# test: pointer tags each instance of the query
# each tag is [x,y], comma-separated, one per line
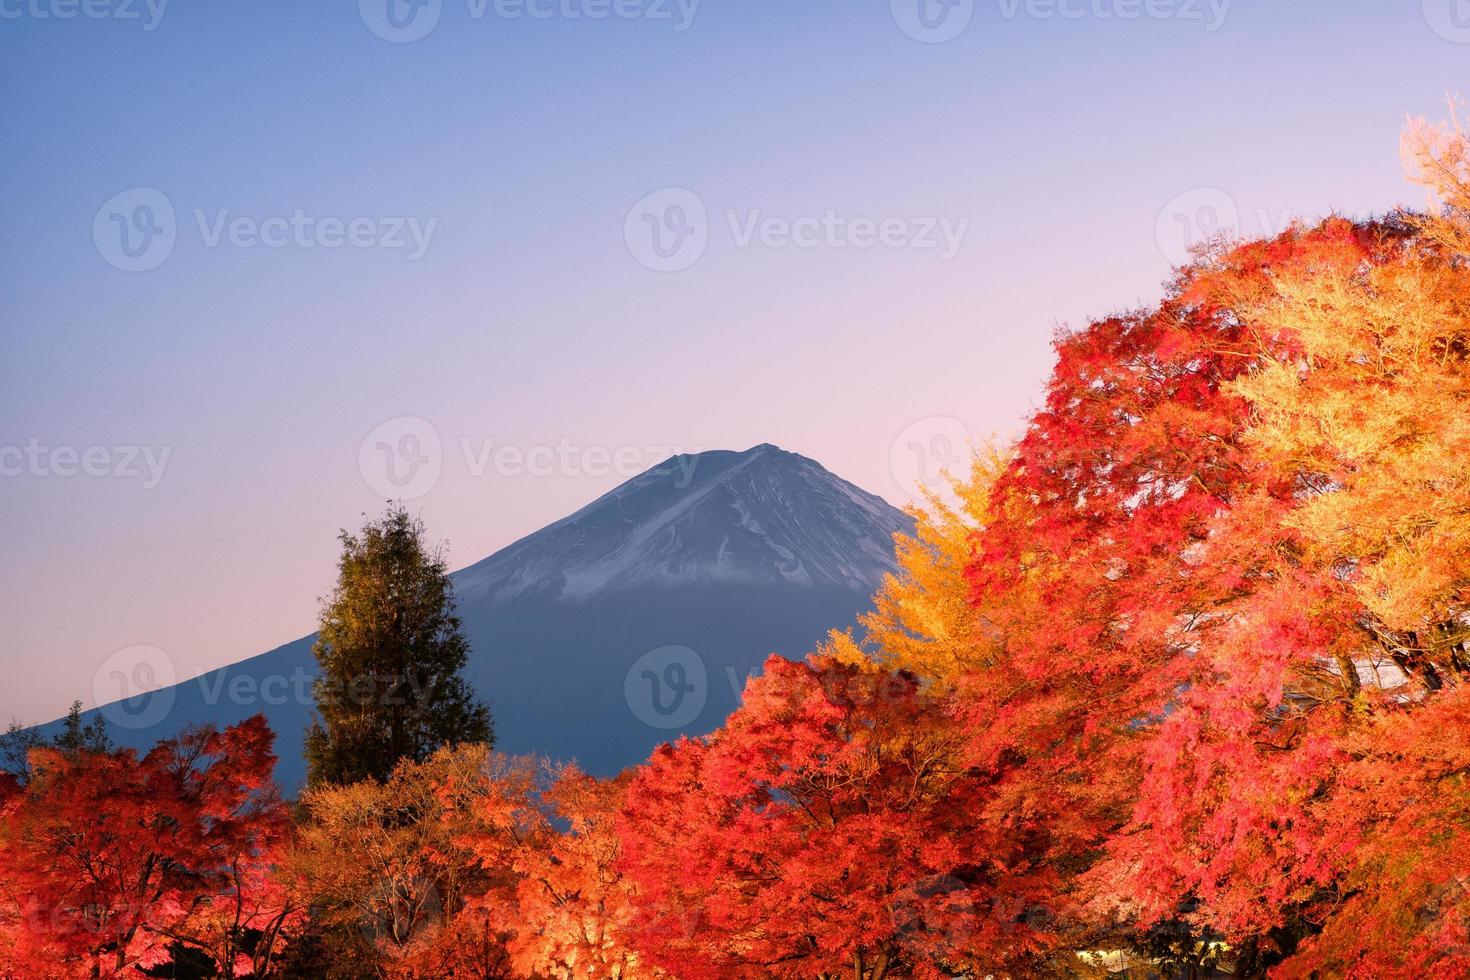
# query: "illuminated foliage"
[922,619]
[1181,680]
[825,830]
[388,870]
[110,862]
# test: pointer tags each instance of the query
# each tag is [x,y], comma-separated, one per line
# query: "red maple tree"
[826,830]
[110,861]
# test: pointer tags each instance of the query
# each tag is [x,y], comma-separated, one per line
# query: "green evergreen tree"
[15,749]
[18,740]
[75,737]
[390,651]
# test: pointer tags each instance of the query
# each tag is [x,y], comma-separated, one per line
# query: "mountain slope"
[630,622]
[757,517]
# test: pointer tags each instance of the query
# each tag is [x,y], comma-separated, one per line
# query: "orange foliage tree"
[1227,573]
[566,907]
[471,864]
[1184,677]
[388,871]
[1108,569]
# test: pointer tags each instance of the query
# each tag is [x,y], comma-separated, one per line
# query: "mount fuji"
[626,624]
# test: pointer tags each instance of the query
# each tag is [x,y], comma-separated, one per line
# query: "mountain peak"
[724,556]
[712,518]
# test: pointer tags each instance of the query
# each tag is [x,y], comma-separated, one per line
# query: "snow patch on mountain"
[717,517]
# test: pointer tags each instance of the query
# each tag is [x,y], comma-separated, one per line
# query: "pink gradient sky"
[528,321]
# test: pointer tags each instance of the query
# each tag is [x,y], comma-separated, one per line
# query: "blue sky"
[1060,138]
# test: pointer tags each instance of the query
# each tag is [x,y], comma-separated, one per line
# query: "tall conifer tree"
[390,650]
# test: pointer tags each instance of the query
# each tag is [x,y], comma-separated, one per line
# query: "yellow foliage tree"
[1371,417]
[470,864]
[572,908]
[387,865]
[923,620]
